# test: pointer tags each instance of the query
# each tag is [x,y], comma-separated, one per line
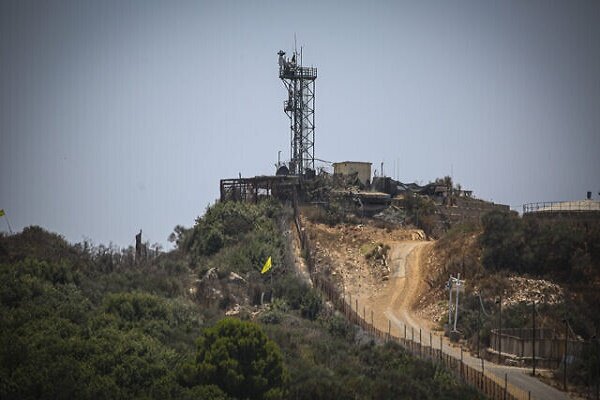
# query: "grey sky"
[121,115]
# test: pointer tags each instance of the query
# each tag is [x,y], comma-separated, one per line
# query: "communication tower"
[299,82]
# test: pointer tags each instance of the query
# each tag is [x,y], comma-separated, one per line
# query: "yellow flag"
[2,213]
[267,266]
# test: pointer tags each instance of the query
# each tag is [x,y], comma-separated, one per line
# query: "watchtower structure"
[299,82]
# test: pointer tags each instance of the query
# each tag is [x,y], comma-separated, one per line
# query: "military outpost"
[351,184]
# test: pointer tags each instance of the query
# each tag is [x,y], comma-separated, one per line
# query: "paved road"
[406,272]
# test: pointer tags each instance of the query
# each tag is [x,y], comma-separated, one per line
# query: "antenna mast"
[299,82]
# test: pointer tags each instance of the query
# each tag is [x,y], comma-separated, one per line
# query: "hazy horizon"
[120,116]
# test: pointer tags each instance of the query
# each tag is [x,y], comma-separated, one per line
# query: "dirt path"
[389,300]
[400,294]
[395,309]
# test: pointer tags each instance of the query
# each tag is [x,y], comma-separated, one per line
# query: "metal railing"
[562,206]
[298,72]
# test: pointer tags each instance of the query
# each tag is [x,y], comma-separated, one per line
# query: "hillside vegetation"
[554,263]
[83,321]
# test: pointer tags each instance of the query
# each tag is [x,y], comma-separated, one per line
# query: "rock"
[233,277]
[233,311]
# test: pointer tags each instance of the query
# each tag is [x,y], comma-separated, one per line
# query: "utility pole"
[449,286]
[565,357]
[458,285]
[499,301]
[596,340]
[478,328]
[533,348]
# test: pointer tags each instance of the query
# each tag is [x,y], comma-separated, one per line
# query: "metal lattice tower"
[300,108]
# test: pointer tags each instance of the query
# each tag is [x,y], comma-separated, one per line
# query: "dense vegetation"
[70,328]
[79,321]
[559,251]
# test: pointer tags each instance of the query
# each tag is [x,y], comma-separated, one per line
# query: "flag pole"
[267,268]
[272,285]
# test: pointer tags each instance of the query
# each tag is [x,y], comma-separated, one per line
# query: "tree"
[502,241]
[241,360]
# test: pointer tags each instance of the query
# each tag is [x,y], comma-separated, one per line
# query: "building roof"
[352,162]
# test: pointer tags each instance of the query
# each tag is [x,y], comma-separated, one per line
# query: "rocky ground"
[357,255]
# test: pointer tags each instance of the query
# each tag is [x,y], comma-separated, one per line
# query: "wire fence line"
[487,384]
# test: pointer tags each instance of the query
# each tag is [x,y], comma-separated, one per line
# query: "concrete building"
[362,169]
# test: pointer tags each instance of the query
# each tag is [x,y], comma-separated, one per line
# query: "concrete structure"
[517,345]
[584,212]
[362,169]
[563,207]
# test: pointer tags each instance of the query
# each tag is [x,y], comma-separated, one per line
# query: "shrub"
[238,357]
[311,304]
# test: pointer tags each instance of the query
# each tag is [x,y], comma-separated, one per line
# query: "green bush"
[238,357]
[338,326]
[311,304]
[563,250]
[292,289]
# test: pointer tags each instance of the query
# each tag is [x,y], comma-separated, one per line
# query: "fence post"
[566,353]
[420,342]
[461,363]
[389,329]
[482,372]
[505,384]
[441,352]
[430,345]
[364,317]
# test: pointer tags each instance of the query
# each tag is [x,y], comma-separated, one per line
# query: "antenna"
[299,82]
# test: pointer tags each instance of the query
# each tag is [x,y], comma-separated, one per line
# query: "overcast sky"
[117,116]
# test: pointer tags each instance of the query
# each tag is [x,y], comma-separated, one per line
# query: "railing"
[298,72]
[489,385]
[562,206]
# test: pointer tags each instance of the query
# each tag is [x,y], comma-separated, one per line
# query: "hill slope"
[79,321]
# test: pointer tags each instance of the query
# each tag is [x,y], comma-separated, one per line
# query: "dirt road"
[389,300]
[396,305]
[401,291]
